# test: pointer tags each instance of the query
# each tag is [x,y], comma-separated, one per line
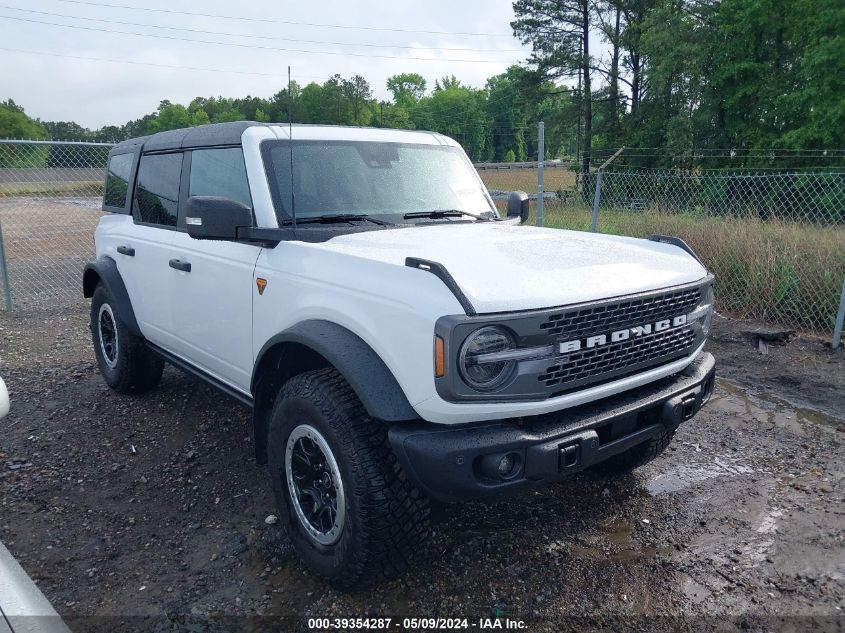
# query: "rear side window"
[219,172]
[157,189]
[117,180]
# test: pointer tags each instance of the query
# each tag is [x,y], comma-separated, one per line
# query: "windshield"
[355,178]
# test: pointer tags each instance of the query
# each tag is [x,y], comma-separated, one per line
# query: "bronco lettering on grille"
[622,335]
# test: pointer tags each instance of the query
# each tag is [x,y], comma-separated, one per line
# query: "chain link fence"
[50,200]
[775,240]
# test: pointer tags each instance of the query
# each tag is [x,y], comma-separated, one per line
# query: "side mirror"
[518,206]
[213,218]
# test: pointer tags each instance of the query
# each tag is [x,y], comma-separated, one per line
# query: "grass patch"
[554,178]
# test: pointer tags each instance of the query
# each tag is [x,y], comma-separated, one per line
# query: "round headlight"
[480,363]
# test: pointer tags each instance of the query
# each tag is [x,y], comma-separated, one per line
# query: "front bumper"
[453,463]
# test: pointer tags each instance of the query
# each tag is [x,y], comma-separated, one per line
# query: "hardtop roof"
[216,134]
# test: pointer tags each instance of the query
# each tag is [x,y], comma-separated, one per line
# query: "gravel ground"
[149,513]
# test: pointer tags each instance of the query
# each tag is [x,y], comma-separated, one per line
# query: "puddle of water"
[623,546]
[685,475]
[767,407]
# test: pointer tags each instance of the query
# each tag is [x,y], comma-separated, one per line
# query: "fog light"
[506,465]
[499,466]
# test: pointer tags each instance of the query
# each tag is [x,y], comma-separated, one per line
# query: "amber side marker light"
[261,283]
[439,358]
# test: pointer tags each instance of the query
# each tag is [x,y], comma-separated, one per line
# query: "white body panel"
[144,274]
[215,318]
[211,307]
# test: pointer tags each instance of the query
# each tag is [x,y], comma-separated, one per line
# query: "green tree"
[170,116]
[559,34]
[459,112]
[507,114]
[281,108]
[407,88]
[357,93]
[311,102]
[818,95]
[67,131]
[15,124]
[110,134]
[334,107]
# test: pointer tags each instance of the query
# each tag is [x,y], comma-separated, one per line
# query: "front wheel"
[353,515]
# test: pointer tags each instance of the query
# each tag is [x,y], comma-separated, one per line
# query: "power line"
[262,37]
[136,63]
[255,46]
[280,21]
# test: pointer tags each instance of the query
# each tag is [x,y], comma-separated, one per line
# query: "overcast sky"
[399,37]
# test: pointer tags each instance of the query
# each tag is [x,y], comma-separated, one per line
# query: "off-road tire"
[637,456]
[387,518]
[135,369]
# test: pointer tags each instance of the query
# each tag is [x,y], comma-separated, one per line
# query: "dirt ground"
[48,239]
[148,512]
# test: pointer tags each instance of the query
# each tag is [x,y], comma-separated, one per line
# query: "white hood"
[502,267]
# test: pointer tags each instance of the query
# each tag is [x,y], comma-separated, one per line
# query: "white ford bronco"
[395,338]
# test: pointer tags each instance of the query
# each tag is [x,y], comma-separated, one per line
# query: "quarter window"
[157,189]
[117,180]
[219,172]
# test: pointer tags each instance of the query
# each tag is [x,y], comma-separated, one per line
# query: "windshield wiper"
[444,213]
[333,218]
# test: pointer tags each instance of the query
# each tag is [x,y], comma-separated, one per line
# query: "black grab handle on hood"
[439,270]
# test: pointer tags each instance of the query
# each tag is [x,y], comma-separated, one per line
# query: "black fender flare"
[316,344]
[105,269]
[357,362]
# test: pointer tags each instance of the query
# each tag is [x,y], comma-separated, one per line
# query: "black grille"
[580,322]
[590,365]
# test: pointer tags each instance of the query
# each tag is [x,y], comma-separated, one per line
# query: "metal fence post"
[594,225]
[840,317]
[596,201]
[4,273]
[541,156]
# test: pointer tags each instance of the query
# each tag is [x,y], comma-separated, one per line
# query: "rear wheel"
[353,516]
[125,362]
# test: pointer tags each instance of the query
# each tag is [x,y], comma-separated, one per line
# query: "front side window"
[117,180]
[219,172]
[373,178]
[157,189]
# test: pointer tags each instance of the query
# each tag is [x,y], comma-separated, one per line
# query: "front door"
[212,282]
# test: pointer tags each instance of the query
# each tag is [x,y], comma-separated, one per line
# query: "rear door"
[211,302]
[142,255]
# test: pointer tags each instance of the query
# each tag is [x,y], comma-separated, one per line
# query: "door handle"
[126,250]
[178,264]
